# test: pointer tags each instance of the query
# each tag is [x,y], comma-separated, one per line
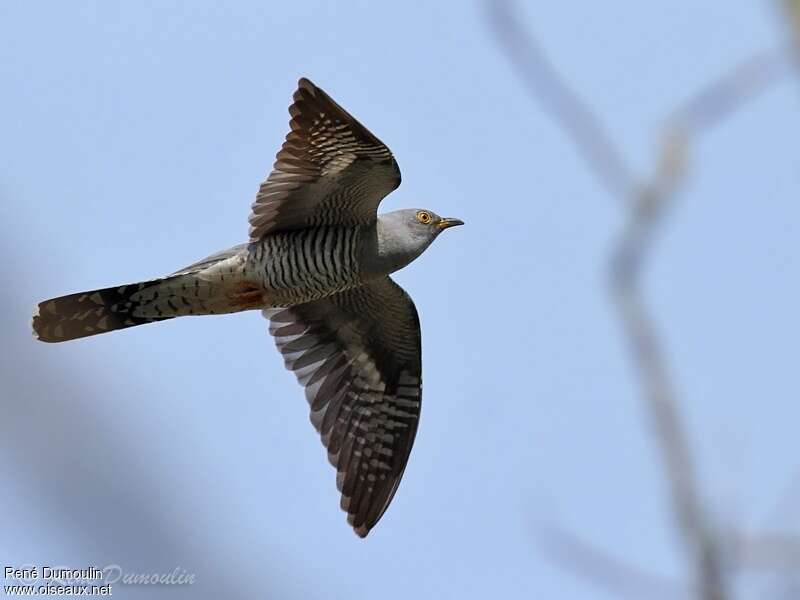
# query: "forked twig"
[646,207]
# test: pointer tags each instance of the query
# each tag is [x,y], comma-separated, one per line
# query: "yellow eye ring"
[424,217]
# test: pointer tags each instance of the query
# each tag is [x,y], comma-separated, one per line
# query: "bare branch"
[646,206]
[629,256]
[566,105]
[713,103]
[597,567]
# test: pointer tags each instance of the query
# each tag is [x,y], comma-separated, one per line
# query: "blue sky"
[134,138]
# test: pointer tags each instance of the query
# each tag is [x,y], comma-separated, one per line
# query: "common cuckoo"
[317,265]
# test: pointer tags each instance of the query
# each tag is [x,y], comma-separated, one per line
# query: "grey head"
[403,235]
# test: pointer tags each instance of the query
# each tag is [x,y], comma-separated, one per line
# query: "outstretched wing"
[358,354]
[330,170]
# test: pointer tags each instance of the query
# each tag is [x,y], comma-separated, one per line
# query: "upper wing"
[330,170]
[358,354]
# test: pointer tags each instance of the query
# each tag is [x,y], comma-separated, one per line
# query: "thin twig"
[718,100]
[599,568]
[567,107]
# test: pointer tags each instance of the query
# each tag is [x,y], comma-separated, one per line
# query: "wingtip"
[306,83]
[360,529]
[305,89]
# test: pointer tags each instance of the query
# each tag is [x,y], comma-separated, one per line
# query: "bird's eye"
[424,217]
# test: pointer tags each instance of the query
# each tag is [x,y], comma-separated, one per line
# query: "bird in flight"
[317,265]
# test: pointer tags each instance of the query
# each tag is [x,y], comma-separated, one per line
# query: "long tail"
[93,312]
[100,311]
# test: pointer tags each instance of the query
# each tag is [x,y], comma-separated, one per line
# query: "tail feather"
[215,285]
[91,313]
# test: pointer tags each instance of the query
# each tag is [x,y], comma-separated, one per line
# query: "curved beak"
[446,223]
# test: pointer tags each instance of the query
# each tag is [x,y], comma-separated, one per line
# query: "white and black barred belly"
[299,266]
